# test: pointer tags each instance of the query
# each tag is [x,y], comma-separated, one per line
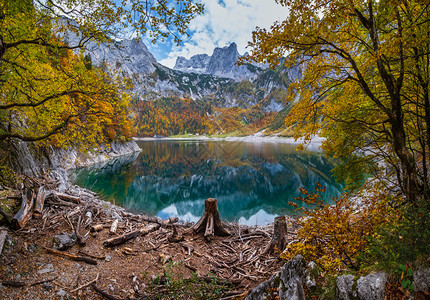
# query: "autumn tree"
[49,91]
[365,81]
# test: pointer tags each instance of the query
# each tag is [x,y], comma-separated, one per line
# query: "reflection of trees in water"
[242,178]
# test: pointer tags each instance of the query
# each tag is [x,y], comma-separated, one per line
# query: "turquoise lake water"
[253,182]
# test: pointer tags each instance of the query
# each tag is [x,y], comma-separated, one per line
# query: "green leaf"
[410,272]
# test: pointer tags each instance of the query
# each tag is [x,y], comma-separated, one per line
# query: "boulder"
[372,286]
[64,241]
[422,280]
[344,287]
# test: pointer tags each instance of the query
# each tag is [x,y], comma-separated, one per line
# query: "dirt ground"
[145,267]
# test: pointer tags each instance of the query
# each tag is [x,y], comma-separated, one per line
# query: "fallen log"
[24,213]
[67,197]
[128,236]
[210,223]
[40,200]
[279,239]
[72,256]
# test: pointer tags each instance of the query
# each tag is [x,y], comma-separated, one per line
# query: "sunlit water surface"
[253,182]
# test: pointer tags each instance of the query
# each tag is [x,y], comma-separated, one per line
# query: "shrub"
[334,235]
[404,240]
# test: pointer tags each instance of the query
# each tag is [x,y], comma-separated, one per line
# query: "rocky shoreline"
[33,268]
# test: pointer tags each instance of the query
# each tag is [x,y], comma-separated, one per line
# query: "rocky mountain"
[222,63]
[196,64]
[216,78]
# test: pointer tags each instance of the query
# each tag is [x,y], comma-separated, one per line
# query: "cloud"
[224,22]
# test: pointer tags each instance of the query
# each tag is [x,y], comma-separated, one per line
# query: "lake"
[253,182]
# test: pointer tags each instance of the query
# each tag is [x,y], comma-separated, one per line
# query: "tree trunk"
[279,239]
[210,223]
[24,213]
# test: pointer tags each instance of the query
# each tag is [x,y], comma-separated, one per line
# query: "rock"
[47,286]
[422,280]
[49,268]
[32,248]
[372,286]
[292,275]
[344,285]
[61,293]
[108,258]
[289,282]
[64,241]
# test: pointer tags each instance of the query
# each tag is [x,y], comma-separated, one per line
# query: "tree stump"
[25,212]
[279,239]
[210,223]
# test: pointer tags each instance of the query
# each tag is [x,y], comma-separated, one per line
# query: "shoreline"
[313,145]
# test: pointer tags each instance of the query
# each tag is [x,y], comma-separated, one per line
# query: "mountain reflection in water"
[253,182]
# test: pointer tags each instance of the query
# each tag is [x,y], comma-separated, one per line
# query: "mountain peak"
[233,46]
[221,63]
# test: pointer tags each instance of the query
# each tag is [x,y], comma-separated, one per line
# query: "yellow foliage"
[334,235]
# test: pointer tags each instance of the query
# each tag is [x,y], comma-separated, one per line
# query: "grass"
[170,284]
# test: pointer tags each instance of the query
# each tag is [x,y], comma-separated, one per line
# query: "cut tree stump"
[210,223]
[279,239]
[25,212]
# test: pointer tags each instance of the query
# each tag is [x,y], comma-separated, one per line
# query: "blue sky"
[224,22]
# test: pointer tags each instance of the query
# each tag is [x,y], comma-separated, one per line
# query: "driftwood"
[17,283]
[14,283]
[279,239]
[171,220]
[128,236]
[92,255]
[104,294]
[210,223]
[40,200]
[114,227]
[67,197]
[73,257]
[24,213]
[3,235]
[82,240]
[97,227]
[87,284]
[175,237]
